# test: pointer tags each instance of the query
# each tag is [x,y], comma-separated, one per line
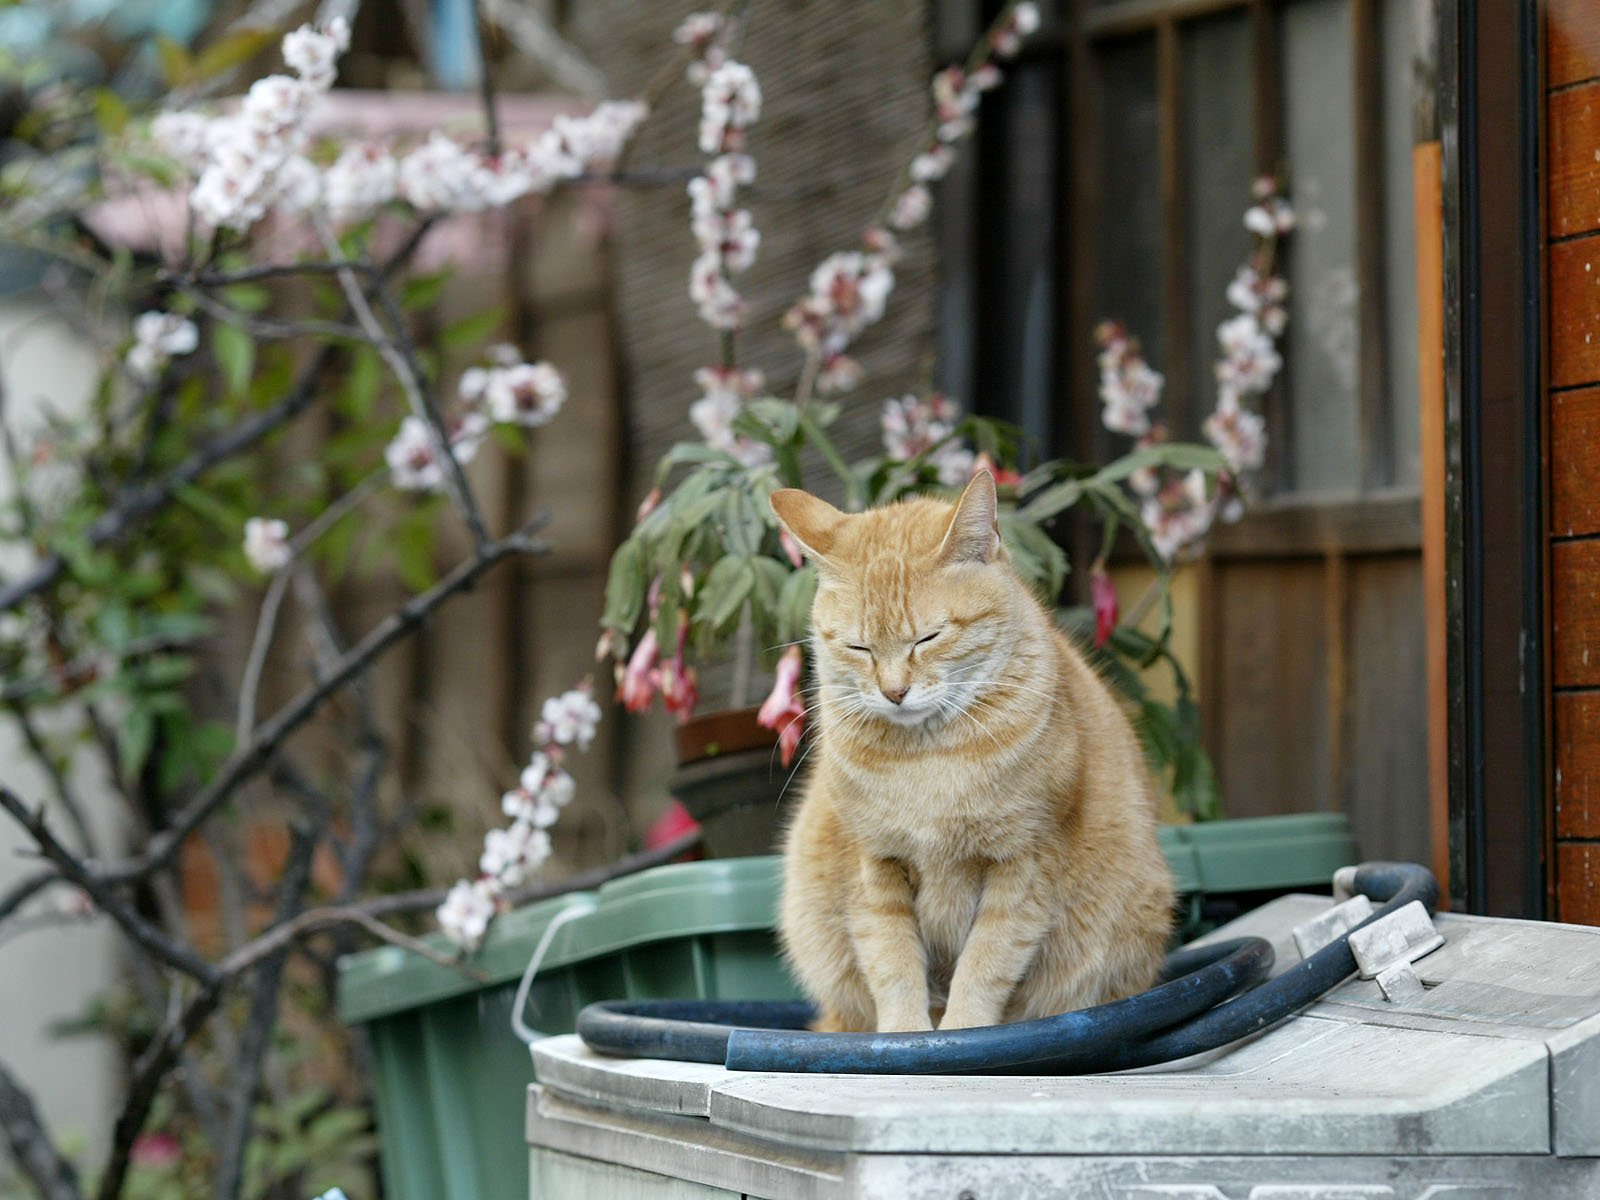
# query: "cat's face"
[913,604]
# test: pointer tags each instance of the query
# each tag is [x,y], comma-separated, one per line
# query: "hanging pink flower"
[155,1151]
[640,677]
[679,682]
[791,548]
[1104,594]
[783,709]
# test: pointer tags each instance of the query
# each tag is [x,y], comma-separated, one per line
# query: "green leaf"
[1180,456]
[471,330]
[247,297]
[726,588]
[110,112]
[412,542]
[1045,561]
[235,352]
[175,61]
[794,603]
[233,50]
[1052,501]
[625,587]
[771,576]
[743,526]
[812,425]
[363,383]
[422,291]
[138,735]
[207,506]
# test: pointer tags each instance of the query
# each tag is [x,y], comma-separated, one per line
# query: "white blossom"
[1250,359]
[913,427]
[314,54]
[266,544]
[1241,435]
[185,136]
[511,855]
[932,164]
[413,465]
[361,180]
[570,718]
[730,102]
[159,337]
[524,394]
[912,208]
[1024,21]
[439,175]
[466,912]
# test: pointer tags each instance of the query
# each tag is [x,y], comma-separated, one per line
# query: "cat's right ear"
[812,522]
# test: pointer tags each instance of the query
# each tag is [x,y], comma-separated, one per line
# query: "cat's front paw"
[908,1022]
[959,1018]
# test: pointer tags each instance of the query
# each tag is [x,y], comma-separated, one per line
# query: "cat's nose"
[895,695]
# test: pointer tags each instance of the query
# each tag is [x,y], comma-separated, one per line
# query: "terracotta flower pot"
[732,783]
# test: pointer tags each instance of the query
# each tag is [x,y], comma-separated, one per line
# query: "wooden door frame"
[1490,88]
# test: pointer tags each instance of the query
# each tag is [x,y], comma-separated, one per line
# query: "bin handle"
[527,1035]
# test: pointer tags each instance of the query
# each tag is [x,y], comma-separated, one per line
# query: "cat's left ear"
[973,534]
[811,521]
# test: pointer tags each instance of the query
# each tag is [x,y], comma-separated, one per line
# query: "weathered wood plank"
[1386,747]
[1575,312]
[1573,122]
[1577,730]
[1572,38]
[1575,614]
[1575,462]
[1578,882]
[1270,695]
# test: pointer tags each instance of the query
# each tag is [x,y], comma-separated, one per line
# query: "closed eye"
[859,649]
[929,637]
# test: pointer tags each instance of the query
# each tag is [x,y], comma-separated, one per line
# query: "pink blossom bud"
[1104,594]
[791,548]
[606,644]
[648,505]
[640,678]
[782,710]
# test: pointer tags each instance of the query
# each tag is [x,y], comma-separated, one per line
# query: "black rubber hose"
[1393,885]
[735,1032]
[1188,1014]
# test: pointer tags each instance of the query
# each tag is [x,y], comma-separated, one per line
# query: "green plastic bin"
[450,1076]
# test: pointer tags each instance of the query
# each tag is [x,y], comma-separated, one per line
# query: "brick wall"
[1573,273]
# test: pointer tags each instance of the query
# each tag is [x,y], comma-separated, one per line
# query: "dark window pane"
[1322,349]
[1126,257]
[1018,317]
[1219,164]
[1400,237]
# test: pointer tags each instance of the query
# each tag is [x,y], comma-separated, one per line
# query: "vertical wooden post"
[1428,201]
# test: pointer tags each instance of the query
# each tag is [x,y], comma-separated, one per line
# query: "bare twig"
[31,1144]
[538,39]
[491,118]
[136,504]
[154,939]
[248,760]
[425,898]
[397,351]
[264,988]
[58,779]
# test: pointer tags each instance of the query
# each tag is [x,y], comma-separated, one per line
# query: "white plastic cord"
[518,1026]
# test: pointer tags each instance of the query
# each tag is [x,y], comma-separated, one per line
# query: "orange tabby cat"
[977,838]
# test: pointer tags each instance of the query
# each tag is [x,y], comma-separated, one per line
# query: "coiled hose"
[1211,995]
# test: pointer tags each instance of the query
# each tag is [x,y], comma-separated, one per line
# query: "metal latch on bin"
[1386,949]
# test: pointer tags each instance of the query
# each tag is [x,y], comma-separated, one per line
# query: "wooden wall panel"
[1578,882]
[1575,614]
[1575,312]
[1271,743]
[1577,738]
[1386,781]
[1572,38]
[1575,462]
[1573,169]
